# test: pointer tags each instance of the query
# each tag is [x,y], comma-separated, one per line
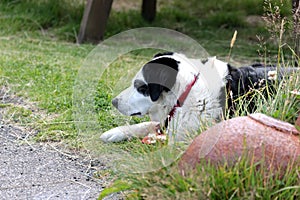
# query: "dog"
[180,94]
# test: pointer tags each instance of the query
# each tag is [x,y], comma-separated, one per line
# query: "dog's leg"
[131,131]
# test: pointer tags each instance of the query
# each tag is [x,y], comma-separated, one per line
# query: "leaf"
[117,186]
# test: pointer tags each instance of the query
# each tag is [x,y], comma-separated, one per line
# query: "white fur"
[202,104]
[125,132]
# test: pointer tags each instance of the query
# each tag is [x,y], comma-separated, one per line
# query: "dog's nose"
[115,102]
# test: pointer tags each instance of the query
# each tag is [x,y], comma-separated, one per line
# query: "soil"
[31,170]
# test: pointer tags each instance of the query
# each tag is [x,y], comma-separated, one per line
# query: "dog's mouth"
[136,114]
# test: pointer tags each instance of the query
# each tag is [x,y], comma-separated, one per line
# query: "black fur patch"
[160,75]
[204,61]
[141,87]
[242,80]
[163,54]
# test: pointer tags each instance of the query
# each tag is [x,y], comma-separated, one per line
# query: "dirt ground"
[31,170]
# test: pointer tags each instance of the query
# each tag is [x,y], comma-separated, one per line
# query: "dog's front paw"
[113,135]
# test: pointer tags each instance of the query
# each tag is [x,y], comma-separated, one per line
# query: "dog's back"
[242,80]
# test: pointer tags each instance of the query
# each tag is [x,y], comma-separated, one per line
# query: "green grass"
[39,61]
[61,18]
[43,71]
[240,181]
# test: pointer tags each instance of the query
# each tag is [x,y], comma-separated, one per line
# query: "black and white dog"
[181,93]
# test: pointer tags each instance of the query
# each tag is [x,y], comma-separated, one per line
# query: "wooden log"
[149,9]
[94,21]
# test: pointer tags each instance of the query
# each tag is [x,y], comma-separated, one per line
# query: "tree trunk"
[149,9]
[94,21]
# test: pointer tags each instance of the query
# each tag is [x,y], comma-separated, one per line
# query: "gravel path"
[37,172]
[40,171]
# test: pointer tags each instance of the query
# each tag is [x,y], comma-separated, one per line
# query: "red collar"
[183,96]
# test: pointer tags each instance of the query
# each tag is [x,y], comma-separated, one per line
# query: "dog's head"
[160,82]
[156,77]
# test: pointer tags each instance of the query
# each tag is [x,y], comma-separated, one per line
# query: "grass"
[240,181]
[42,71]
[39,61]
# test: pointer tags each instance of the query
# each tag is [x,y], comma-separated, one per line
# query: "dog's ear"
[160,75]
[234,72]
[231,68]
[155,90]
[236,80]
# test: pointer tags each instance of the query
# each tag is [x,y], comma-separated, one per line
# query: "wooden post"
[296,16]
[94,21]
[149,9]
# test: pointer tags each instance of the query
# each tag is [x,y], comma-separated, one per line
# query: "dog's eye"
[143,90]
